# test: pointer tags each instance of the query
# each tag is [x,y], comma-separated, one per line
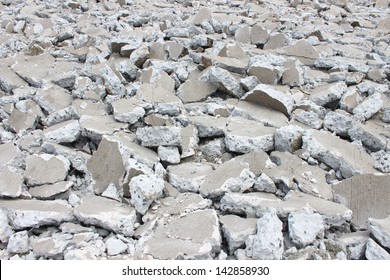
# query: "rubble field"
[185,129]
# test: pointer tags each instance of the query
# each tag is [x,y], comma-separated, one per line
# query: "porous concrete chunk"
[144,190]
[64,132]
[18,243]
[382,161]
[308,118]
[11,183]
[337,153]
[327,93]
[139,56]
[9,80]
[260,113]
[159,136]
[187,177]
[366,195]
[264,183]
[235,175]
[106,213]
[53,98]
[95,127]
[292,173]
[225,81]
[49,191]
[304,226]
[112,82]
[267,244]
[115,246]
[189,141]
[128,110]
[338,122]
[272,98]
[214,148]
[375,252]
[386,115]
[236,230]
[169,154]
[373,135]
[243,136]
[38,165]
[192,236]
[368,107]
[380,228]
[34,213]
[5,229]
[288,138]
[303,51]
[50,247]
[106,166]
[209,126]
[355,243]
[194,90]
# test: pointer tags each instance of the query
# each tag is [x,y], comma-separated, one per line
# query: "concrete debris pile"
[215,129]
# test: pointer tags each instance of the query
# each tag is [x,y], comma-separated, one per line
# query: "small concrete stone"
[288,138]
[214,148]
[18,243]
[386,115]
[355,243]
[128,110]
[267,244]
[189,141]
[325,94]
[50,247]
[382,161]
[37,166]
[304,226]
[368,107]
[380,228]
[5,229]
[276,41]
[144,190]
[64,132]
[376,252]
[106,166]
[263,183]
[95,127]
[50,191]
[11,183]
[159,136]
[236,230]
[115,246]
[187,177]
[258,35]
[169,154]
[308,118]
[106,213]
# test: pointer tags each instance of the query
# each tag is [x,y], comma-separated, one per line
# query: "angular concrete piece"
[189,141]
[368,107]
[64,132]
[36,213]
[9,80]
[106,213]
[267,244]
[192,236]
[355,243]
[304,226]
[209,126]
[327,93]
[337,153]
[288,138]
[53,98]
[303,51]
[106,166]
[366,195]
[231,64]
[187,177]
[194,90]
[375,252]
[236,230]
[269,97]
[37,167]
[128,110]
[95,127]
[380,228]
[144,189]
[243,136]
[49,191]
[11,183]
[159,136]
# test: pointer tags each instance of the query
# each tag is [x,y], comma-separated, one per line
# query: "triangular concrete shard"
[272,98]
[368,196]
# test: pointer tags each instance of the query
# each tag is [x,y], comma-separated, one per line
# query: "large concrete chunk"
[128,110]
[243,136]
[327,93]
[366,195]
[9,80]
[192,236]
[267,244]
[35,213]
[106,166]
[95,127]
[106,213]
[53,98]
[187,177]
[194,90]
[11,183]
[159,136]
[272,98]
[236,230]
[38,165]
[337,153]
[380,228]
[370,106]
